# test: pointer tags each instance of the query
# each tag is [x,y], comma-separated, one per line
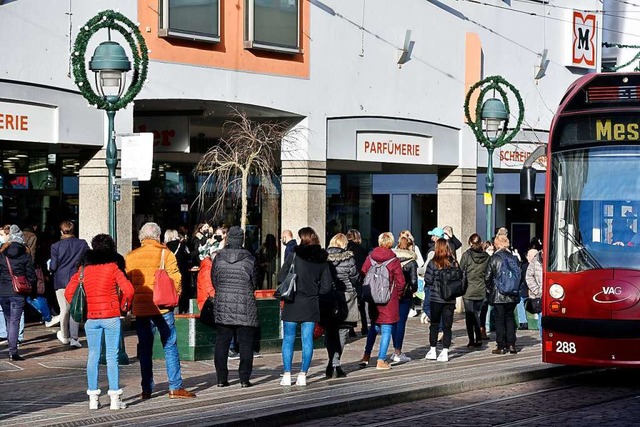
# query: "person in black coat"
[179,248]
[360,255]
[289,242]
[504,305]
[345,276]
[14,257]
[235,277]
[313,279]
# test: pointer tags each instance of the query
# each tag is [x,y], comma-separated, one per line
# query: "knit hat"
[235,237]
[438,232]
[15,234]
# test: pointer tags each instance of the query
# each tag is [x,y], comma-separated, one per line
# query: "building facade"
[376,90]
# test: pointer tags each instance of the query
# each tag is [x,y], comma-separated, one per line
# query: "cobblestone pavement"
[49,388]
[596,398]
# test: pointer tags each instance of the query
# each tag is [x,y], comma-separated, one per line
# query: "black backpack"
[452,282]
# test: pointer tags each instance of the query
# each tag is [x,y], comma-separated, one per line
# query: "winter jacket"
[359,253]
[183,256]
[290,247]
[491,271]
[314,279]
[409,261]
[65,257]
[534,277]
[431,279]
[345,277]
[474,263]
[389,313]
[142,264]
[204,284]
[21,264]
[235,277]
[102,280]
[31,242]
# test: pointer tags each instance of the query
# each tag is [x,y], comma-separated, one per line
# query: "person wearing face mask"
[14,260]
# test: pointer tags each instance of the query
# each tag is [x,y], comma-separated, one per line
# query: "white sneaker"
[400,358]
[75,343]
[431,355]
[286,379]
[413,313]
[302,379]
[444,355]
[257,355]
[61,338]
[53,322]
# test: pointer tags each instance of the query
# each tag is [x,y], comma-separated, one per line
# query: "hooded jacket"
[142,264]
[314,279]
[533,276]
[103,281]
[343,269]
[474,263]
[493,267]
[16,254]
[388,313]
[235,277]
[408,261]
[431,279]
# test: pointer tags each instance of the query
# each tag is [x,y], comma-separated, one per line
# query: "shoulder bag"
[78,307]
[287,289]
[20,284]
[533,305]
[164,290]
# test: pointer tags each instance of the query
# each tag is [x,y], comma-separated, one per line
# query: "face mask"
[217,238]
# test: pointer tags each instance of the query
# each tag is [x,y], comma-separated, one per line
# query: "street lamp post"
[110,65]
[494,112]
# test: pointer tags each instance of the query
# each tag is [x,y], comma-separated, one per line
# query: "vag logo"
[610,295]
[611,290]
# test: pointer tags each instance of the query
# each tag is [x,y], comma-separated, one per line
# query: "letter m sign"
[584,40]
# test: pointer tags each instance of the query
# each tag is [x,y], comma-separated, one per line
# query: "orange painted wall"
[229,53]
[473,69]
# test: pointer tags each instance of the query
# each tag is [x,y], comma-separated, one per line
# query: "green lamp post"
[494,114]
[110,65]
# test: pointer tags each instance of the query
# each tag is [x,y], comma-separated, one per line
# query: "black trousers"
[505,325]
[472,309]
[444,312]
[224,333]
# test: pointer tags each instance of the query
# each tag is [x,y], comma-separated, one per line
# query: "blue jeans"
[93,328]
[397,333]
[3,327]
[42,306]
[13,310]
[146,327]
[289,332]
[522,314]
[385,331]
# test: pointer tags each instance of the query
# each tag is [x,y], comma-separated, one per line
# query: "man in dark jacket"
[289,242]
[235,277]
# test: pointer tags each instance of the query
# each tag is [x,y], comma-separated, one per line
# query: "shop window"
[190,19]
[273,25]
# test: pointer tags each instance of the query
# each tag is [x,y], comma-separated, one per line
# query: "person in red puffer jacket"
[108,293]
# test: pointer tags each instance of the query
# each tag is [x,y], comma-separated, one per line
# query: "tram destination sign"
[595,129]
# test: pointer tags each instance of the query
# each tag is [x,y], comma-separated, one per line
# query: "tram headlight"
[556,291]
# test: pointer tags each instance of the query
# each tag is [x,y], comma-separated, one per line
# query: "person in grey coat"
[504,305]
[474,263]
[235,277]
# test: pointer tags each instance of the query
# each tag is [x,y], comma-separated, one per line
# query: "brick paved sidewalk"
[49,388]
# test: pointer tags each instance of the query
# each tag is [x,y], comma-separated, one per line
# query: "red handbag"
[318,331]
[20,284]
[164,290]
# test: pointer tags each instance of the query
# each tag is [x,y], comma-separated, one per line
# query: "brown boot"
[483,333]
[364,362]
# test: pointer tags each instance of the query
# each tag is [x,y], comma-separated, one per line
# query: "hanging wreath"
[114,21]
[494,83]
[624,46]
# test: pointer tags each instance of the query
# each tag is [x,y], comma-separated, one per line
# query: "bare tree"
[248,148]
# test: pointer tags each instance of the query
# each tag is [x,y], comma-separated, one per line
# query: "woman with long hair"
[313,279]
[108,293]
[344,273]
[440,308]
[474,262]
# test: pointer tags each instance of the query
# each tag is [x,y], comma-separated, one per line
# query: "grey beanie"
[15,234]
[235,237]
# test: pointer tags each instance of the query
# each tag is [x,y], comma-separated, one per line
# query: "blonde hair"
[386,240]
[170,235]
[501,242]
[339,241]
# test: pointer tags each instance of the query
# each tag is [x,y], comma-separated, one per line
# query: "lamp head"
[493,114]
[110,64]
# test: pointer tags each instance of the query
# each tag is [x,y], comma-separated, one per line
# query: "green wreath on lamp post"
[495,113]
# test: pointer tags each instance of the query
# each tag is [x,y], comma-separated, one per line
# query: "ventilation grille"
[612,93]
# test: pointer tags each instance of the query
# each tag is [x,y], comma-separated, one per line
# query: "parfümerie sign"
[393,148]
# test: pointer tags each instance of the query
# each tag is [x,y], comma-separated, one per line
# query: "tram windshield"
[595,206]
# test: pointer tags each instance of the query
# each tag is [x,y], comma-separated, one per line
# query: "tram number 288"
[565,347]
